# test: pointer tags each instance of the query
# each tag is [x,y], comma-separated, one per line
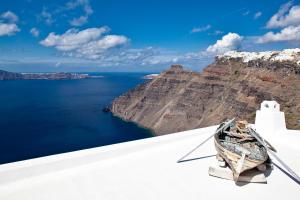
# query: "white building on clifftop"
[148,169]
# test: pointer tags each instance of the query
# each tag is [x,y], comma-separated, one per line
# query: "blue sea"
[46,117]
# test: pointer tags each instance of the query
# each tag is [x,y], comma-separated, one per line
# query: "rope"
[194,149]
[285,166]
[262,141]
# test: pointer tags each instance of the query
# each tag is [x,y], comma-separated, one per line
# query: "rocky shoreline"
[179,99]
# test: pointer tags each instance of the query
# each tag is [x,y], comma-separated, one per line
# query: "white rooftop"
[148,169]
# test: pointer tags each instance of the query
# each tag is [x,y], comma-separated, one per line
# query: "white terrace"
[147,169]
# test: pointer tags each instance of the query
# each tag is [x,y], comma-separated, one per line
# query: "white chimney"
[269,119]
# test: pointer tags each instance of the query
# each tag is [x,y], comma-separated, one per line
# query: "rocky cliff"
[233,86]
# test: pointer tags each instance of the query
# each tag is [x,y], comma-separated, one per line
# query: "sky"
[140,35]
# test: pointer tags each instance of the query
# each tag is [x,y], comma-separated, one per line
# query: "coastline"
[6,75]
[151,131]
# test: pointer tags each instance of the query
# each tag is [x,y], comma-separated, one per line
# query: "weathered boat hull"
[240,155]
[249,176]
[233,158]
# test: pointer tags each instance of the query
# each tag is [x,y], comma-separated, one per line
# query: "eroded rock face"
[180,100]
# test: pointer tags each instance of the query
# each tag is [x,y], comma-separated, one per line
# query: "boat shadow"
[255,172]
[250,173]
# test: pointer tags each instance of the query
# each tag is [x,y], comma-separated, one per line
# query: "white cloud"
[87,9]
[73,39]
[8,25]
[151,57]
[46,17]
[89,43]
[95,49]
[291,33]
[229,42]
[286,16]
[35,32]
[79,21]
[57,64]
[257,15]
[8,29]
[72,8]
[111,50]
[288,19]
[76,3]
[10,16]
[216,32]
[246,13]
[200,29]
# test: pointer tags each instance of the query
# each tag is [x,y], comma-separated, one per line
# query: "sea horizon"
[81,72]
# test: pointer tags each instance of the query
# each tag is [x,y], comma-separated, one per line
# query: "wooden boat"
[238,148]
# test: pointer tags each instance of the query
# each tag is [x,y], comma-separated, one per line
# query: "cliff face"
[179,100]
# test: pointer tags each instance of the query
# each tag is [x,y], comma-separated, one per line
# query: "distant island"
[150,76]
[5,75]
